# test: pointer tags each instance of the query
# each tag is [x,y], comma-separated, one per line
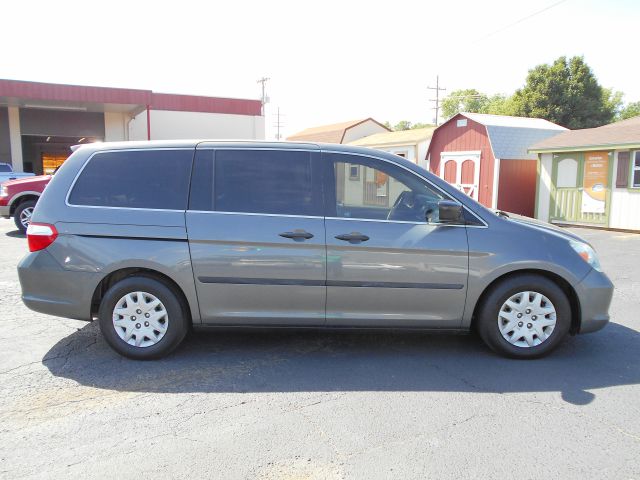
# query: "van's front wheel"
[524,316]
[142,318]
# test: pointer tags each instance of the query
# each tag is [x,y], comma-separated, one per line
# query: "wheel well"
[114,277]
[557,279]
[20,200]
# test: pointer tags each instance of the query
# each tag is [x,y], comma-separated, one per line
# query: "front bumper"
[594,293]
[49,288]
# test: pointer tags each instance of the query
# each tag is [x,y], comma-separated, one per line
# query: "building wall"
[625,203]
[363,130]
[5,142]
[115,126]
[472,137]
[168,125]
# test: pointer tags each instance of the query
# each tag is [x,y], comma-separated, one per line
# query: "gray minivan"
[155,238]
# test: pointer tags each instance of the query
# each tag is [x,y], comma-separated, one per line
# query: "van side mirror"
[449,211]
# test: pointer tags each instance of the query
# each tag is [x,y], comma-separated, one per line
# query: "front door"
[581,192]
[257,237]
[389,262]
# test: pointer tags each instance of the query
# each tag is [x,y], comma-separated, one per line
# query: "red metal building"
[486,157]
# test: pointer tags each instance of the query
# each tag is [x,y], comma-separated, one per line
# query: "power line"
[502,29]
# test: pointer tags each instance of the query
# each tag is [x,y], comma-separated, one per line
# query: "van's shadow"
[317,361]
[15,234]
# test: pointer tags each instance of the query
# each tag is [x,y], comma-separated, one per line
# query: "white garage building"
[40,121]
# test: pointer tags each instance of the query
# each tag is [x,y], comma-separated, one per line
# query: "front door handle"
[297,235]
[353,237]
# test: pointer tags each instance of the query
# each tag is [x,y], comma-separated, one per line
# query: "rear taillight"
[40,236]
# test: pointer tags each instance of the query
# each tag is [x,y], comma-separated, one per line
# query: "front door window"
[382,192]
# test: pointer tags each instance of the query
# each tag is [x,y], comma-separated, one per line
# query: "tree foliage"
[472,101]
[629,111]
[567,93]
[406,125]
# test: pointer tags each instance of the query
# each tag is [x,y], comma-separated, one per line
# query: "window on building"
[4,167]
[354,172]
[255,181]
[622,174]
[635,177]
[154,179]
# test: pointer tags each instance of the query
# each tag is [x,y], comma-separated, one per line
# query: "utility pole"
[278,125]
[437,99]
[264,98]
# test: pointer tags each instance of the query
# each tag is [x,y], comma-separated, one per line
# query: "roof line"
[360,123]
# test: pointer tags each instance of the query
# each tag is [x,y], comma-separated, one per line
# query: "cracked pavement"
[314,405]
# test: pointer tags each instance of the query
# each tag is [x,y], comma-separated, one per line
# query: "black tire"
[487,315]
[18,212]
[178,317]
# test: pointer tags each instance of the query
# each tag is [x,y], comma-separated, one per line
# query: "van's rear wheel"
[524,316]
[22,215]
[142,318]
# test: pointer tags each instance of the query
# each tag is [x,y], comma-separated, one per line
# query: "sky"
[327,61]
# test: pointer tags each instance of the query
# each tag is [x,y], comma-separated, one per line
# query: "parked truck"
[18,198]
[7,173]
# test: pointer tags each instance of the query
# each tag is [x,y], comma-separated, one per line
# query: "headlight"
[587,253]
[3,191]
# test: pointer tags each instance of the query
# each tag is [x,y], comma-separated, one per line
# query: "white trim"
[496,175]
[459,158]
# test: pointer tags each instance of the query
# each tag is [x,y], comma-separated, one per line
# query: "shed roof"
[511,137]
[624,132]
[332,133]
[412,136]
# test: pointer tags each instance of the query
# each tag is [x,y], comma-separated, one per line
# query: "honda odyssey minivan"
[153,239]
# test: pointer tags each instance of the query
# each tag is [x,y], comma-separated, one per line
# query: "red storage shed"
[486,157]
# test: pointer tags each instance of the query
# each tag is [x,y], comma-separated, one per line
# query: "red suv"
[18,198]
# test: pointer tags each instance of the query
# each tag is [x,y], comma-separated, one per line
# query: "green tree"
[402,125]
[631,110]
[567,93]
[466,100]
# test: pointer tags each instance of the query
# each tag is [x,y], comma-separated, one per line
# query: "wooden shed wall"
[451,138]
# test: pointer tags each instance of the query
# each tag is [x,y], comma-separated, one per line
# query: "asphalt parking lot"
[319,405]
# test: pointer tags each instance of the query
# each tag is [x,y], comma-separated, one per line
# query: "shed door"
[462,170]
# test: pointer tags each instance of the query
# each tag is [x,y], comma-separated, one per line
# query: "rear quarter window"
[154,179]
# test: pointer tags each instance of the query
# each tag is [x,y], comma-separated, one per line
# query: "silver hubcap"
[140,319]
[527,319]
[25,216]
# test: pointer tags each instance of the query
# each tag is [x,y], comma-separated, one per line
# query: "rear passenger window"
[255,181]
[156,179]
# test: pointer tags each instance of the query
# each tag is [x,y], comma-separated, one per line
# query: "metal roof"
[51,95]
[508,121]
[511,137]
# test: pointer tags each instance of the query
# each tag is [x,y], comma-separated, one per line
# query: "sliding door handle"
[297,235]
[353,237]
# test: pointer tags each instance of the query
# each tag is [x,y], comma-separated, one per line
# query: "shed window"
[636,170]
[622,174]
[461,122]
